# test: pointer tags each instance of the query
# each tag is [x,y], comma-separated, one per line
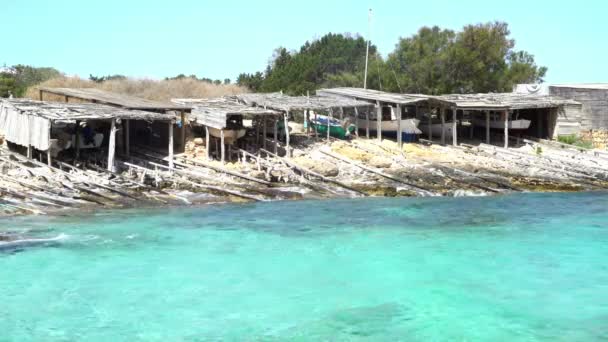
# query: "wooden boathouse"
[50,128]
[309,106]
[540,110]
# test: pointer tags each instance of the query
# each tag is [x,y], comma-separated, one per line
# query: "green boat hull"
[334,131]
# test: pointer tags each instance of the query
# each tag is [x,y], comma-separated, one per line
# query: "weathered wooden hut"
[540,110]
[223,121]
[308,105]
[594,100]
[43,125]
[94,95]
[389,107]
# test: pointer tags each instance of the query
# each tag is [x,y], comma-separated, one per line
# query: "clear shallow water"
[522,267]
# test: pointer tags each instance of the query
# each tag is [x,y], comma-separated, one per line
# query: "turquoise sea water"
[513,268]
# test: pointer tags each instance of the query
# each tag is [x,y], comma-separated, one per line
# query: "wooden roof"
[114,99]
[69,112]
[215,112]
[503,101]
[282,102]
[487,101]
[374,95]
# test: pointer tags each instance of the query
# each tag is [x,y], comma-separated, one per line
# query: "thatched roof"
[114,99]
[70,112]
[282,102]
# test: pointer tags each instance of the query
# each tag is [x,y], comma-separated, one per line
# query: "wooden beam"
[367,123]
[77,140]
[286,120]
[29,138]
[399,128]
[454,127]
[487,127]
[223,146]
[329,117]
[112,146]
[48,150]
[379,121]
[67,99]
[506,118]
[40,94]
[539,128]
[430,123]
[264,132]
[276,134]
[207,143]
[183,130]
[442,110]
[356,122]
[171,144]
[128,137]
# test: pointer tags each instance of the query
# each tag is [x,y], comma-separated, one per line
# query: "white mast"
[369,33]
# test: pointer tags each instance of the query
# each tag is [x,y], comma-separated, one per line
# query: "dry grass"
[162,90]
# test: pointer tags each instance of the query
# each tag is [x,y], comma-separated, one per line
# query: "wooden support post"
[223,146]
[306,123]
[442,110]
[341,113]
[356,122]
[488,127]
[276,135]
[77,140]
[430,123]
[472,131]
[539,127]
[183,130]
[40,94]
[316,129]
[29,138]
[506,119]
[128,137]
[257,135]
[171,145]
[207,143]
[264,132]
[48,150]
[367,123]
[399,128]
[329,117]
[454,127]
[112,146]
[286,119]
[379,121]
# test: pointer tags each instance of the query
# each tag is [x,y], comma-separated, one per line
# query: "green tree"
[23,76]
[480,58]
[315,64]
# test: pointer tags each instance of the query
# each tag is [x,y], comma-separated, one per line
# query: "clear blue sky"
[219,39]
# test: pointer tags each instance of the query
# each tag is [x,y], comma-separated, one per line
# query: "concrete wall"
[594,113]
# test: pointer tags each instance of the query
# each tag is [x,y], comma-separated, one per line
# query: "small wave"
[32,241]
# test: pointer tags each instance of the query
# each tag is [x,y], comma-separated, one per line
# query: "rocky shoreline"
[318,169]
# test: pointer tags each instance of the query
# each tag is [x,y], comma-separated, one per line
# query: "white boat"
[230,135]
[436,129]
[390,127]
[500,124]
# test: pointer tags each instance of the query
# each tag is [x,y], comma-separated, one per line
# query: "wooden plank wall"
[594,114]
